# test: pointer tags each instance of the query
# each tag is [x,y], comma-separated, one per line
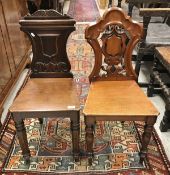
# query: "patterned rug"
[116,146]
[82,11]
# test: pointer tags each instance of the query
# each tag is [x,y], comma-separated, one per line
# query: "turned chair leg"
[110,4]
[75,129]
[138,63]
[40,120]
[1,111]
[148,128]
[150,89]
[165,123]
[89,138]
[22,137]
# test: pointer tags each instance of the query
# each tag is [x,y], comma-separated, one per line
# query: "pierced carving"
[114,42]
[113,39]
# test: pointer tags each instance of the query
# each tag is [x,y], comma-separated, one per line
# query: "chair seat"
[118,98]
[47,94]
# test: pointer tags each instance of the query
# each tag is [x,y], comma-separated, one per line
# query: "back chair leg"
[40,120]
[75,129]
[122,122]
[119,3]
[110,4]
[138,63]
[165,123]
[89,138]
[150,89]
[148,128]
[130,8]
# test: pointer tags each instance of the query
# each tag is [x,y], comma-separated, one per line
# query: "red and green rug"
[116,145]
[83,10]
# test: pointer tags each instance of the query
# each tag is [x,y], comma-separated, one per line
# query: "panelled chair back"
[114,94]
[34,5]
[50,91]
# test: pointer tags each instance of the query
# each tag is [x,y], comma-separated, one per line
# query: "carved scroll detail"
[114,41]
[51,67]
[50,12]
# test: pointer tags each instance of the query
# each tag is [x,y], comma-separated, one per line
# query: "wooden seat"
[161,66]
[114,94]
[47,95]
[50,91]
[117,99]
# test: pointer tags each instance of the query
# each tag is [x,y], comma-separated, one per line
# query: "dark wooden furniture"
[14,46]
[50,91]
[34,5]
[110,4]
[114,94]
[162,58]
[153,32]
[145,4]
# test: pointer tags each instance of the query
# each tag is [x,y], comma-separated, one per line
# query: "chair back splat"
[113,39]
[49,31]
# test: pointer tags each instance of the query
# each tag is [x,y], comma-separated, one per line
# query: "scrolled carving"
[51,67]
[50,12]
[119,29]
[113,39]
[47,14]
[114,42]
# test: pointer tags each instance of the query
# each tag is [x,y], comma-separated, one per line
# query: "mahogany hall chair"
[114,94]
[50,90]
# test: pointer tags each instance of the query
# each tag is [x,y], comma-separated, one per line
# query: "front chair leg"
[165,123]
[148,128]
[89,138]
[75,128]
[22,137]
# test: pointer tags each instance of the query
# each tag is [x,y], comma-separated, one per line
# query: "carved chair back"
[48,31]
[113,39]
